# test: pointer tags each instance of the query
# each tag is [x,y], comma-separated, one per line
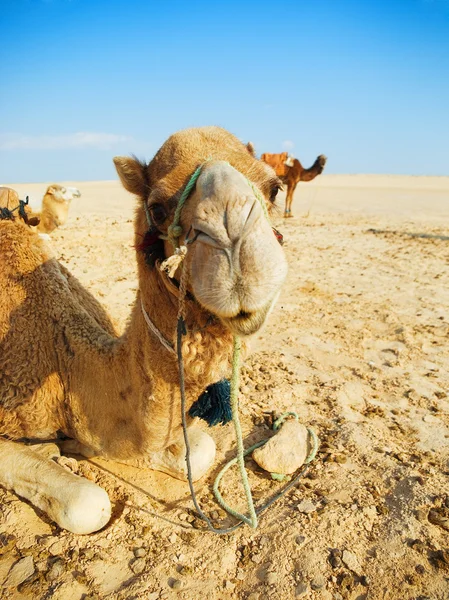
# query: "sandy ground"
[357,345]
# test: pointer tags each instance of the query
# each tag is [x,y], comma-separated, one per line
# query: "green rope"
[175,229]
[174,233]
[252,520]
[277,476]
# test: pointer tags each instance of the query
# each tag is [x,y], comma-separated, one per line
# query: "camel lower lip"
[246,323]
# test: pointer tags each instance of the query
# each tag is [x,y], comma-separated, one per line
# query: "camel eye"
[274,193]
[158,213]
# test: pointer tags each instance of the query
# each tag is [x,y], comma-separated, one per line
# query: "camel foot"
[288,215]
[172,460]
[70,446]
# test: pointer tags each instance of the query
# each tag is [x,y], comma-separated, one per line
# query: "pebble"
[176,584]
[20,571]
[253,596]
[318,582]
[351,561]
[56,570]
[286,451]
[301,590]
[271,577]
[300,539]
[140,552]
[138,566]
[440,517]
[306,506]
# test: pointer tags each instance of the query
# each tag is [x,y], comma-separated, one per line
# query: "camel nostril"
[243,314]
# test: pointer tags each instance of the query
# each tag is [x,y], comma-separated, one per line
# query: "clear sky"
[365,82]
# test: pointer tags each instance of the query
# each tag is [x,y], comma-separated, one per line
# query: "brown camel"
[291,172]
[63,367]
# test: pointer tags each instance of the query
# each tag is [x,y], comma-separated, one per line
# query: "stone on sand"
[286,451]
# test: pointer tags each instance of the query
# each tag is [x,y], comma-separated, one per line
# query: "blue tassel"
[214,405]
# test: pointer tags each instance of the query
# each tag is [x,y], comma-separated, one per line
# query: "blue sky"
[365,82]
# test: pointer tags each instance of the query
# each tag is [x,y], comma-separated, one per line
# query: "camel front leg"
[74,503]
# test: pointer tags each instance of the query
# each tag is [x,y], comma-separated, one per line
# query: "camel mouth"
[247,323]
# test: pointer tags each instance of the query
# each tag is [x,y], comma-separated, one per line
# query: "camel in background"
[63,366]
[55,207]
[291,172]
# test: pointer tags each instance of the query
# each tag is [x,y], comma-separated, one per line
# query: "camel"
[291,171]
[64,368]
[55,207]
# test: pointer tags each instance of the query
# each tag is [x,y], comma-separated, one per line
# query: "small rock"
[318,582]
[56,570]
[300,539]
[306,507]
[253,596]
[20,571]
[335,559]
[440,517]
[176,584]
[301,590]
[138,566]
[140,552]
[420,569]
[271,577]
[286,451]
[7,543]
[351,561]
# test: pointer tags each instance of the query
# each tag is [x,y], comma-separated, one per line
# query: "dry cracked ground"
[358,346]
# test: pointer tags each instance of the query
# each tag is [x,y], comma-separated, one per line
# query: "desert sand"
[357,345]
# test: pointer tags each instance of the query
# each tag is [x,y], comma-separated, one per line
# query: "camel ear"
[50,190]
[132,174]
[251,149]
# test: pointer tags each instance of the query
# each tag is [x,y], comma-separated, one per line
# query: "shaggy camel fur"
[291,172]
[63,368]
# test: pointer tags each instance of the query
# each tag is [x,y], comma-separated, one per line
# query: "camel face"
[236,264]
[63,194]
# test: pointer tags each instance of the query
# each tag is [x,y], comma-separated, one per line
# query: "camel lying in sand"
[291,172]
[55,207]
[63,367]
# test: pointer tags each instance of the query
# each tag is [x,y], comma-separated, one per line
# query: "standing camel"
[64,368]
[291,172]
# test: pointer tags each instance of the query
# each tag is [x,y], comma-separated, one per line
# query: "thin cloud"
[82,139]
[288,145]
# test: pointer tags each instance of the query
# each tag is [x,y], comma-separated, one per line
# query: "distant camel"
[291,171]
[64,368]
[55,207]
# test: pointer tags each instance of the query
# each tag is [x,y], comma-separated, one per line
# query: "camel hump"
[9,198]
[10,207]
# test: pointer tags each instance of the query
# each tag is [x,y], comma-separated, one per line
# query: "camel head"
[235,264]
[60,193]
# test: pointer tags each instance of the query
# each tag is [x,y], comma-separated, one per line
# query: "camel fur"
[64,368]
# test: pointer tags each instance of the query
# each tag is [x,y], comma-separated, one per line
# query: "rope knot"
[171,264]
[175,231]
